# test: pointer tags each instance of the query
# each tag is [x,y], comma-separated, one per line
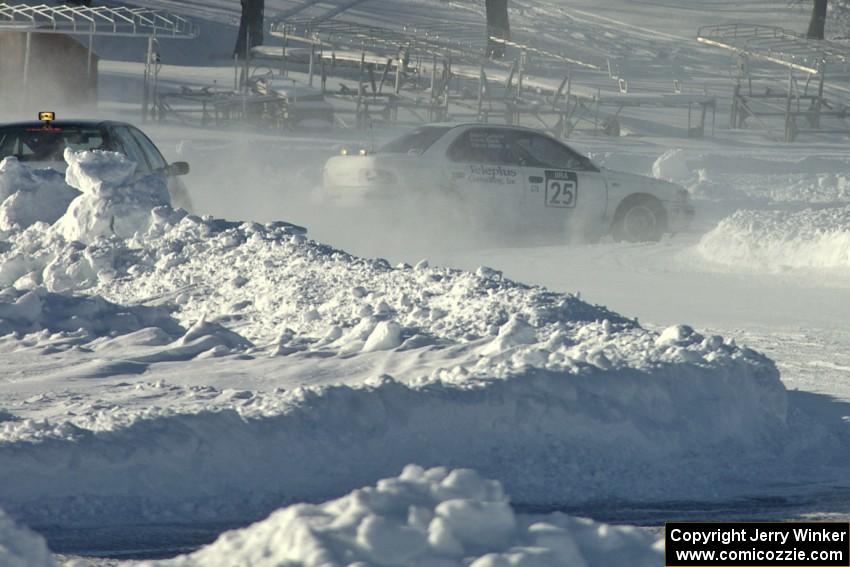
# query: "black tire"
[639,219]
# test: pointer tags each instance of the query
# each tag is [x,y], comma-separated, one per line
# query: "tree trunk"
[497,26]
[250,27]
[818,21]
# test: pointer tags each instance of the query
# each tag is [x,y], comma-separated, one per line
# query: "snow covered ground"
[171,375]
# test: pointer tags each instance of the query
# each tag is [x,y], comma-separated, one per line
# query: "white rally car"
[513,177]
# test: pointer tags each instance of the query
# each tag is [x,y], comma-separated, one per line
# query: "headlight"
[377,176]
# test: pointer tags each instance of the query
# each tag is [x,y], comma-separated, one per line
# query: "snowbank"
[726,183]
[604,430]
[773,240]
[31,195]
[424,517]
[19,547]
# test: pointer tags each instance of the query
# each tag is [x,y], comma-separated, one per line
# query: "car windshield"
[415,142]
[36,143]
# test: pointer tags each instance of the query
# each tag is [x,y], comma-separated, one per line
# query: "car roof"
[481,125]
[63,124]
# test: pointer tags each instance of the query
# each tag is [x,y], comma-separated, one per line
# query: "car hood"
[664,190]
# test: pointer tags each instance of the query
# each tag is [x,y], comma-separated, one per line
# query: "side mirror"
[177,168]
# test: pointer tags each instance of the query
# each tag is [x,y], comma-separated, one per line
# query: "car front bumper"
[680,215]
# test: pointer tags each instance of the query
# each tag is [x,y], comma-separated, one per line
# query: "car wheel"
[639,220]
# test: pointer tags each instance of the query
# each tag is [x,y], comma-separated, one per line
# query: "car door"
[485,176]
[565,191]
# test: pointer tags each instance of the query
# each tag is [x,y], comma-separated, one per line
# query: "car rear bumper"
[353,195]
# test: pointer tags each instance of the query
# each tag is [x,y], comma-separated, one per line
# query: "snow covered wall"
[562,401]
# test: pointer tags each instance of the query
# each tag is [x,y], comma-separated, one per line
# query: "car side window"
[484,145]
[155,158]
[542,151]
[131,148]
[10,145]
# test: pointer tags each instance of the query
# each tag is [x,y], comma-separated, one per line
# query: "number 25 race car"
[513,178]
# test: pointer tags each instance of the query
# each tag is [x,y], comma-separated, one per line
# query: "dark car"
[43,144]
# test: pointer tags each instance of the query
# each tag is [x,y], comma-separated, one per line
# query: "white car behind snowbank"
[512,176]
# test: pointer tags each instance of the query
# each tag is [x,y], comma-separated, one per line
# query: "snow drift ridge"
[550,437]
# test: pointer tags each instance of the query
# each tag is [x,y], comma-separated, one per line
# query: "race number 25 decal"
[561,189]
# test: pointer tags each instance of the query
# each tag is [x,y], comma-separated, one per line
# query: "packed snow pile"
[281,288]
[37,310]
[729,183]
[112,202]
[462,369]
[775,240]
[19,547]
[433,517]
[765,190]
[31,195]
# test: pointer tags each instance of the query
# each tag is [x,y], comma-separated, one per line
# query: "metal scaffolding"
[430,41]
[774,45]
[98,21]
[546,54]
[453,54]
[794,52]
